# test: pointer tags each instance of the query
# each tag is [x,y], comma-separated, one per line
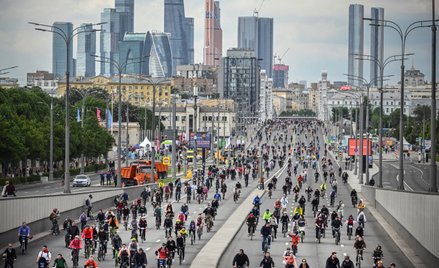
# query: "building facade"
[239,80]
[109,40]
[376,44]
[356,43]
[59,50]
[125,8]
[280,75]
[134,90]
[38,76]
[85,61]
[175,25]
[414,77]
[191,39]
[265,97]
[213,34]
[257,34]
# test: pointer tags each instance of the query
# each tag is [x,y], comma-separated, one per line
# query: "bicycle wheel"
[180,255]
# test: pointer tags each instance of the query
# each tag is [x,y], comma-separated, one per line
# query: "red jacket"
[87,233]
[75,244]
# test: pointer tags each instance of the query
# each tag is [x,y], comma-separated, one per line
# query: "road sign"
[166,160]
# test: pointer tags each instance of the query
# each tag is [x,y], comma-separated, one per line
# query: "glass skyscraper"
[152,52]
[110,37]
[59,50]
[356,44]
[126,10]
[85,63]
[175,25]
[190,39]
[213,34]
[257,34]
[376,44]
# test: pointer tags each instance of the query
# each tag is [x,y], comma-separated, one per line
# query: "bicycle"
[23,248]
[168,231]
[302,235]
[252,231]
[192,235]
[101,251]
[332,200]
[143,234]
[350,227]
[354,201]
[235,196]
[270,193]
[67,239]
[209,224]
[158,221]
[188,198]
[55,227]
[266,243]
[75,257]
[319,234]
[200,231]
[88,248]
[337,235]
[125,263]
[199,198]
[285,228]
[125,223]
[359,257]
[180,252]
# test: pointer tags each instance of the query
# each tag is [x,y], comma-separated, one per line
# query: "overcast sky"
[316,31]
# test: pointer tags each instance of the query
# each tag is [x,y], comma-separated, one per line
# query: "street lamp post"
[68,39]
[403,34]
[121,68]
[433,166]
[2,71]
[381,66]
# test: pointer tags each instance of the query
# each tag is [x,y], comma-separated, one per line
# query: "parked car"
[81,180]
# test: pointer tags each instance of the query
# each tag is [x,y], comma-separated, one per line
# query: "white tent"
[146,144]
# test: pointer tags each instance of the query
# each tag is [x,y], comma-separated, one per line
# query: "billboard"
[345,88]
[354,146]
[203,140]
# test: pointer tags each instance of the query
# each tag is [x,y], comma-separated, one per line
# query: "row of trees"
[25,126]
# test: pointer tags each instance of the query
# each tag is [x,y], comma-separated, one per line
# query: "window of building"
[224,118]
[183,118]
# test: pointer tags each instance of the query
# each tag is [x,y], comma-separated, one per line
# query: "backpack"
[87,202]
[83,217]
[361,219]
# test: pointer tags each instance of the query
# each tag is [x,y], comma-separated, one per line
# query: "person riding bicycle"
[162,253]
[54,216]
[124,255]
[9,255]
[290,261]
[139,259]
[277,204]
[209,212]
[296,189]
[266,233]
[23,234]
[116,243]
[76,244]
[298,210]
[336,225]
[301,224]
[274,225]
[360,245]
[91,263]
[192,227]
[354,196]
[257,201]
[295,240]
[44,257]
[251,223]
[347,263]
[103,238]
[361,218]
[319,225]
[59,262]
[180,241]
[322,188]
[284,201]
[359,231]
[241,260]
[377,254]
[133,246]
[267,215]
[87,235]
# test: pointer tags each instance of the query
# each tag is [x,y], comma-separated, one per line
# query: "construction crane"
[279,58]
[256,12]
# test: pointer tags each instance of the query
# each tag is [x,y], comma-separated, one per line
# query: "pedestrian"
[102,176]
[8,189]
[241,260]
[332,261]
[9,256]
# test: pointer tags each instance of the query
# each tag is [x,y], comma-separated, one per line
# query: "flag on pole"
[109,119]
[98,114]
[78,116]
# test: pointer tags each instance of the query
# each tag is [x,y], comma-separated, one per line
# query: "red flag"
[98,114]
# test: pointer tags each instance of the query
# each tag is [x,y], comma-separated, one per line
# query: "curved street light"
[68,39]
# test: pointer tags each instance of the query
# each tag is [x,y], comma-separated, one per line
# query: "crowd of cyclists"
[306,162]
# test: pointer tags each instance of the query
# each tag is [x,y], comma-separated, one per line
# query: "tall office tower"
[213,34]
[152,47]
[280,75]
[376,43]
[239,80]
[257,34]
[190,39]
[85,62]
[59,51]
[356,36]
[110,37]
[175,25]
[126,10]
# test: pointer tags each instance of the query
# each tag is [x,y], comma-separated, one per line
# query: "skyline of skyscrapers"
[59,51]
[356,44]
[109,40]
[85,62]
[213,34]
[257,34]
[376,44]
[133,46]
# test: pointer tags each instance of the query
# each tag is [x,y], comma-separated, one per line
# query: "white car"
[81,180]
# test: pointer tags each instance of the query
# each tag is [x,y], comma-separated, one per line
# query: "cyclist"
[171,246]
[139,259]
[354,197]
[116,242]
[298,211]
[23,234]
[267,261]
[185,210]
[251,223]
[183,233]
[133,247]
[10,256]
[361,205]
[91,263]
[142,226]
[274,225]
[124,255]
[241,260]
[304,264]
[87,235]
[332,261]
[347,263]
[336,224]
[359,231]
[377,254]
[192,228]
[360,245]
[295,240]
[267,215]
[266,233]
[301,224]
[349,222]
[54,216]
[76,244]
[290,261]
[209,212]
[162,254]
[59,262]
[103,238]
[44,257]
[322,189]
[361,218]
[180,241]
[284,201]
[319,224]
[257,201]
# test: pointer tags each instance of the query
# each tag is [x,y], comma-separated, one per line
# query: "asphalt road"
[154,237]
[416,176]
[316,254]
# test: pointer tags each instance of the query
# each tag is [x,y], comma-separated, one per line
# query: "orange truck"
[140,173]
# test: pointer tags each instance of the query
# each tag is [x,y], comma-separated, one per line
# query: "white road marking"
[405,183]
[157,241]
[148,249]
